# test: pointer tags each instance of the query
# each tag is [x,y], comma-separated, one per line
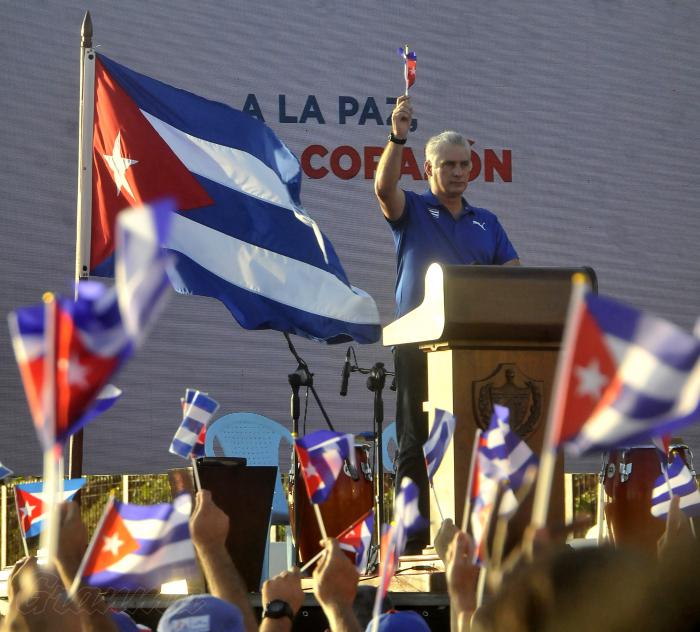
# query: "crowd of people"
[551,587]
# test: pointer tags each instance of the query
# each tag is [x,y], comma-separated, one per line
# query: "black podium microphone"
[347,367]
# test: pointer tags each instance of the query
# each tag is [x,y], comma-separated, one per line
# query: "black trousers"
[411,366]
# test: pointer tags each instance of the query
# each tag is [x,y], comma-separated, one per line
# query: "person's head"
[448,163]
[201,612]
[400,621]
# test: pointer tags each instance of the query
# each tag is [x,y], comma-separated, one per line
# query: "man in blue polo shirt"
[437,225]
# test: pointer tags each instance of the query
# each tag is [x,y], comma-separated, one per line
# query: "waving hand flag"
[90,345]
[440,435]
[503,458]
[29,499]
[95,333]
[140,547]
[198,409]
[241,234]
[321,455]
[631,376]
[407,520]
[682,483]
[357,538]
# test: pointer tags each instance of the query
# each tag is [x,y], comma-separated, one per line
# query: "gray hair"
[448,137]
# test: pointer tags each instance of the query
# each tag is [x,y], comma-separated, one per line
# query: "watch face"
[277,609]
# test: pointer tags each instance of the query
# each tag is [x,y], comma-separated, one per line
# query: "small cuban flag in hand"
[198,409]
[139,547]
[356,539]
[440,436]
[409,57]
[321,455]
[683,484]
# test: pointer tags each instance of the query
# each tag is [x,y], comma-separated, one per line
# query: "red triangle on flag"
[80,373]
[111,544]
[132,165]
[591,383]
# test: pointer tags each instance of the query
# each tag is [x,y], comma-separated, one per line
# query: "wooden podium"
[492,334]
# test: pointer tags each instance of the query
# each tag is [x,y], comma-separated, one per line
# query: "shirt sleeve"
[398,225]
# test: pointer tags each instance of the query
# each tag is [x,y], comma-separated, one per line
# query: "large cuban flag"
[240,234]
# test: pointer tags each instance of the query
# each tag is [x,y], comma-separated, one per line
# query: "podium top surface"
[488,303]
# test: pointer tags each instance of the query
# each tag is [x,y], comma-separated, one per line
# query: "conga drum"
[349,500]
[629,476]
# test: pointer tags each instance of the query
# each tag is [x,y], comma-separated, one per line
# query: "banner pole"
[86,111]
[555,414]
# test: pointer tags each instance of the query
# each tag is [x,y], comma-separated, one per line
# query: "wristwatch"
[277,609]
[397,140]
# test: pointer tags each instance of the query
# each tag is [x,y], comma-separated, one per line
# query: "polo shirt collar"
[432,200]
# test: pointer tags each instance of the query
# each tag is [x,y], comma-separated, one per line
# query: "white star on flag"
[590,380]
[311,470]
[112,544]
[27,510]
[77,373]
[119,164]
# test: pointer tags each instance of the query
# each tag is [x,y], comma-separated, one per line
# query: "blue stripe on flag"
[670,344]
[180,448]
[192,425]
[128,511]
[205,403]
[178,533]
[636,404]
[138,581]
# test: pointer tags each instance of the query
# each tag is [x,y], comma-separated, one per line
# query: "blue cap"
[400,621]
[124,622]
[201,613]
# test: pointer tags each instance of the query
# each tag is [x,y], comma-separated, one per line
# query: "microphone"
[346,374]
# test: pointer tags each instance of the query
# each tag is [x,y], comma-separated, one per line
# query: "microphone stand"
[375,383]
[376,380]
[303,377]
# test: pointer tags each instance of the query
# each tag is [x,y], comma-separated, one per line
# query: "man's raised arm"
[386,183]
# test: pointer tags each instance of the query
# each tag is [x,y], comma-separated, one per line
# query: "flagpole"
[405,69]
[195,472]
[319,518]
[556,409]
[86,110]
[306,566]
[437,502]
[49,533]
[470,481]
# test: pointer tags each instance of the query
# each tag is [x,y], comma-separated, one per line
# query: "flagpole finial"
[579,278]
[86,31]
[48,297]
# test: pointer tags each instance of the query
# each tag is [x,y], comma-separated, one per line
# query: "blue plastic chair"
[389,435]
[257,439]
